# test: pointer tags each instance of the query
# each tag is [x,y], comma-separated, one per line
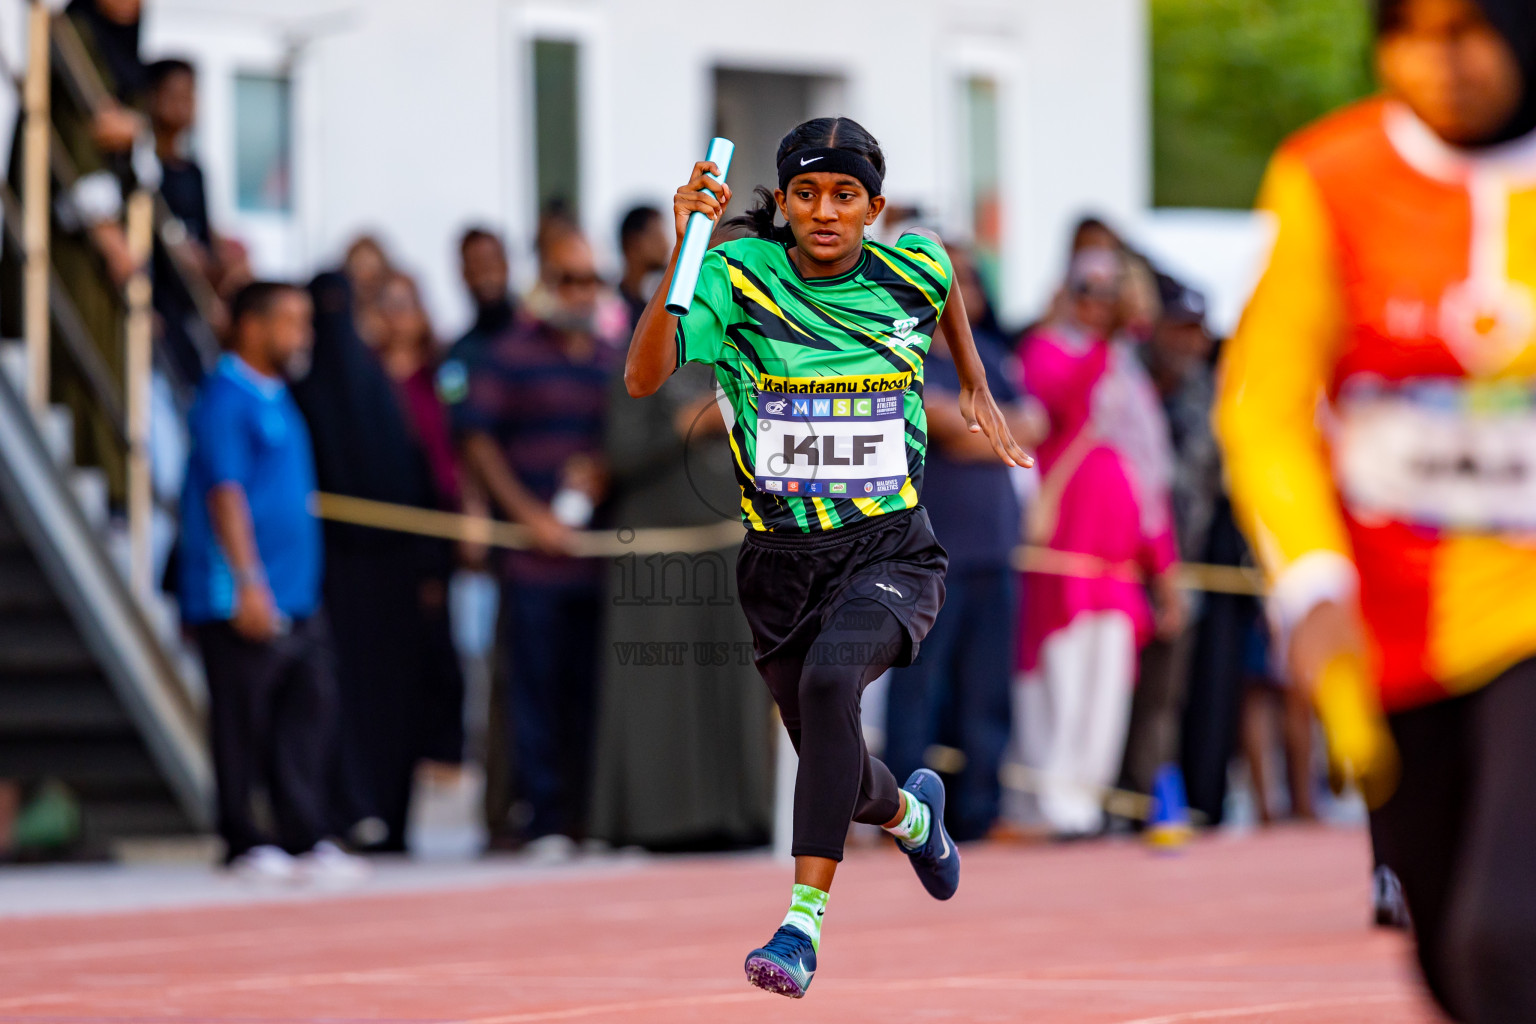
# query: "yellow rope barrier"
[1218,579]
[423,522]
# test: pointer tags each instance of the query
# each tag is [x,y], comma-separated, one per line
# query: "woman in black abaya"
[365,448]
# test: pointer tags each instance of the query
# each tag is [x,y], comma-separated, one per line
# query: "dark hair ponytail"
[817,133]
[759,218]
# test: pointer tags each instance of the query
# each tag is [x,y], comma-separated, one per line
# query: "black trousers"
[1215,686]
[829,612]
[551,645]
[1461,834]
[272,715]
[958,691]
[1152,739]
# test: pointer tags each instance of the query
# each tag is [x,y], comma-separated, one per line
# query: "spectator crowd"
[615,703]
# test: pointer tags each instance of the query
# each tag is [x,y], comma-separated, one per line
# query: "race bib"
[1442,454]
[835,447]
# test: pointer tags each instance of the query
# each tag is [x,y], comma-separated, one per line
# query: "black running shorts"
[792,584]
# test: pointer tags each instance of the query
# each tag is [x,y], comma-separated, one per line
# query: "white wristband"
[1312,579]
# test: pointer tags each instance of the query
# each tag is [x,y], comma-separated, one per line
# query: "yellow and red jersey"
[1377,404]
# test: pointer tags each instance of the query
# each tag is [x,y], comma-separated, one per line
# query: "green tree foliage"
[1231,78]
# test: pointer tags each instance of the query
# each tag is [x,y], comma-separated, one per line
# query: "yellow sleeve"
[1272,378]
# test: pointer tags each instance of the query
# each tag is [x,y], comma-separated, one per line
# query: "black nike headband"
[834,161]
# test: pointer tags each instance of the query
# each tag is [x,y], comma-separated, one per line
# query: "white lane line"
[1236,1012]
[577,1012]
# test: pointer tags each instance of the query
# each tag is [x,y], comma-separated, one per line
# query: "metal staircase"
[97,692]
[91,693]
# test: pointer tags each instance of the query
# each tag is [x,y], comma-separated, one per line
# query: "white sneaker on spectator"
[368,832]
[328,863]
[550,849]
[265,864]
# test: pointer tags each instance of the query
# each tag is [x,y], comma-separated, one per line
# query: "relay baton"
[696,237]
[1360,746]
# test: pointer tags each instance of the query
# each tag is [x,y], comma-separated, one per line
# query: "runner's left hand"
[982,415]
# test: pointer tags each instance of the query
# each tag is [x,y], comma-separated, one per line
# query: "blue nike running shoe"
[786,964]
[936,862]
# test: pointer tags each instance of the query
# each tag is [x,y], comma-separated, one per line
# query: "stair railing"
[56,50]
[112,612]
[37,138]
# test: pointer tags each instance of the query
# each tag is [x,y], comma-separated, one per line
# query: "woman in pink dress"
[1103,512]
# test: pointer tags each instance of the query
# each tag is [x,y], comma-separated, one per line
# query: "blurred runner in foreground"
[1397,521]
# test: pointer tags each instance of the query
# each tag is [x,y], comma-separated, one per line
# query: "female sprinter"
[817,337]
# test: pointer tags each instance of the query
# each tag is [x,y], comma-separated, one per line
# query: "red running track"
[1265,928]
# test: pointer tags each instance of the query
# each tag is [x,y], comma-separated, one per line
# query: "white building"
[414,118]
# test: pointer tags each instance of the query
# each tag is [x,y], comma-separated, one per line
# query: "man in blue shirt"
[250,588]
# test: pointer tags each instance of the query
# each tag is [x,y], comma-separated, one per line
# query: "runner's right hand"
[1330,630]
[690,198]
[1327,660]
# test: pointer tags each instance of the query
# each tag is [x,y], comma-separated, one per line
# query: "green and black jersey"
[823,377]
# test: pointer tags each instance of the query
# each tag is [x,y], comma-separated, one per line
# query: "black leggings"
[818,698]
[1461,834]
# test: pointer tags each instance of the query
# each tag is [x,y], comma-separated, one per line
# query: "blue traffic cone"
[1168,825]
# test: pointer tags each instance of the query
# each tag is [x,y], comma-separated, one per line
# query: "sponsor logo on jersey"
[859,450]
[902,328]
[854,384]
[889,588]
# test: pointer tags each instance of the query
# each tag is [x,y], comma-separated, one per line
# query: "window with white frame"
[263,144]
[979,120]
[556,126]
